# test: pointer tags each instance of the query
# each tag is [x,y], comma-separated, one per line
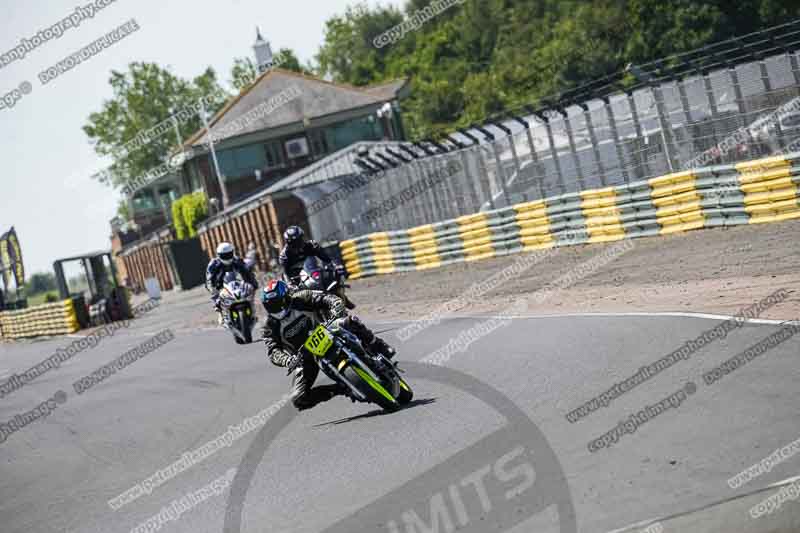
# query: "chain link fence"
[652,131]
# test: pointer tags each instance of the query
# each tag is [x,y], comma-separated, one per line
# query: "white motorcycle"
[236,303]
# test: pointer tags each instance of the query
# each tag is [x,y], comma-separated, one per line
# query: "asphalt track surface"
[58,473]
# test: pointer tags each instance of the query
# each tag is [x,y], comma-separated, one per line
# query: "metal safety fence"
[753,192]
[726,115]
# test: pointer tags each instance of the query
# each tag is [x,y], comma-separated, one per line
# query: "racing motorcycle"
[236,302]
[367,377]
[317,276]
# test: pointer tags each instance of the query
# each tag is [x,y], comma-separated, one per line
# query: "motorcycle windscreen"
[312,264]
[313,273]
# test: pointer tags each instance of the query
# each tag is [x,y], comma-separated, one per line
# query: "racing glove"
[292,362]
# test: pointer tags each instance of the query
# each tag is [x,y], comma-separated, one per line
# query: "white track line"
[645,523]
[707,316]
[638,525]
[784,482]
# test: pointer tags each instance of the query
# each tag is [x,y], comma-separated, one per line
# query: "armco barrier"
[49,319]
[763,190]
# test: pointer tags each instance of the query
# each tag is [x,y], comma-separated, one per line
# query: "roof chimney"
[263,52]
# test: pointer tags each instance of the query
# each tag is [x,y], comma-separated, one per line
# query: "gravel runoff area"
[718,270]
[708,271]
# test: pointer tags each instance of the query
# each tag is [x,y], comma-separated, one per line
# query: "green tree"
[663,28]
[287,60]
[243,72]
[482,56]
[124,211]
[41,282]
[348,53]
[144,96]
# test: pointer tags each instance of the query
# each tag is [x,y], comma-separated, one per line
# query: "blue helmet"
[275,296]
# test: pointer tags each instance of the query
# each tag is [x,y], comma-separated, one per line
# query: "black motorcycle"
[368,377]
[318,276]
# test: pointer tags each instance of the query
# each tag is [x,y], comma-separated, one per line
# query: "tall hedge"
[187,212]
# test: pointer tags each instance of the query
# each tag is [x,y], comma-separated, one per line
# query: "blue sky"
[44,188]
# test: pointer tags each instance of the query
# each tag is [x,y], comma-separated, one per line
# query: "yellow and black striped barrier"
[764,190]
[43,320]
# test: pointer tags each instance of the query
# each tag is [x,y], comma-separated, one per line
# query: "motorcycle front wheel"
[406,394]
[373,390]
[246,330]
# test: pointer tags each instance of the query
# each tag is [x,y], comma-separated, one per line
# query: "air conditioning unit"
[297,148]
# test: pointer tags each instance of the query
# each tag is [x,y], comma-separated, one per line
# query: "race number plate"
[319,342]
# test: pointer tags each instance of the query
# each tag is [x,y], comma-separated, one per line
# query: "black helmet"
[294,237]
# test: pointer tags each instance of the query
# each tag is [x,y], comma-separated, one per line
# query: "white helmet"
[225,252]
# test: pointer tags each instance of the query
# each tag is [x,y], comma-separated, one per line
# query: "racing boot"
[378,345]
[319,394]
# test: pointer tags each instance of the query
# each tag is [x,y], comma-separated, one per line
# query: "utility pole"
[182,156]
[220,177]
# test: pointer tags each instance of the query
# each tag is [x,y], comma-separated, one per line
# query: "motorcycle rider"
[291,317]
[225,261]
[251,258]
[296,250]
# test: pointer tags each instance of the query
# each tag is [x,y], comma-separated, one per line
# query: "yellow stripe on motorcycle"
[374,384]
[342,365]
[403,384]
